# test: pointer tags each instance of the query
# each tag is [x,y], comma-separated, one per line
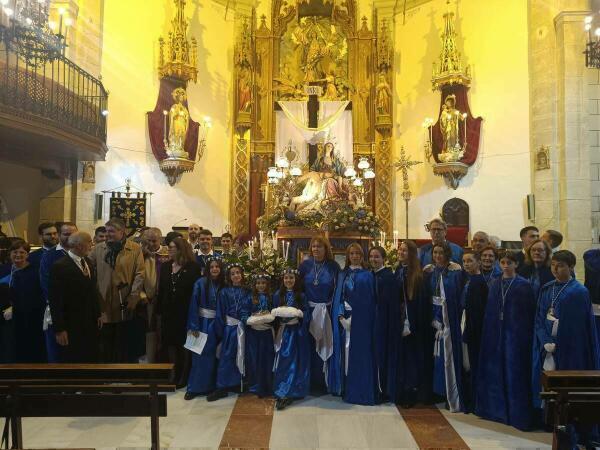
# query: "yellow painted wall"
[130,55]
[493,40]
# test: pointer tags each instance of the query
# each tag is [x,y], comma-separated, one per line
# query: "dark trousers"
[114,343]
[181,358]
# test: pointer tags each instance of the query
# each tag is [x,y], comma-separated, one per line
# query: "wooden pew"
[571,397]
[84,390]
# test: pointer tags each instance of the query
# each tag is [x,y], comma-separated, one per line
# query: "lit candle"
[395,238]
[165,112]
[274,240]
[465,125]
[250,249]
[261,235]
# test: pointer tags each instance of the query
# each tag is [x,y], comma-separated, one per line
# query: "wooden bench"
[571,397]
[83,390]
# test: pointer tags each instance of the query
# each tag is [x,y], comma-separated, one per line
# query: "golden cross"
[127,215]
[404,164]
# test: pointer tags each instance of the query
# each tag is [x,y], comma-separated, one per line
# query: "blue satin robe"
[28,315]
[425,253]
[490,276]
[504,382]
[204,367]
[592,283]
[473,302]
[415,366]
[291,378]
[47,260]
[452,280]
[537,276]
[260,352]
[236,302]
[321,293]
[389,323]
[360,385]
[576,340]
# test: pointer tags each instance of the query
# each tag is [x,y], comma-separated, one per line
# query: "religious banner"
[132,211]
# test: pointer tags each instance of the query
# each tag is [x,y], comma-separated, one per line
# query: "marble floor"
[247,422]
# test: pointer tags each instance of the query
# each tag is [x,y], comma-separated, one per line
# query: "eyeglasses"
[436,230]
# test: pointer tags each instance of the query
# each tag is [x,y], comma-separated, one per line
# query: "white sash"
[596,309]
[549,362]
[47,321]
[241,341]
[279,339]
[347,324]
[320,328]
[465,347]
[450,376]
[207,313]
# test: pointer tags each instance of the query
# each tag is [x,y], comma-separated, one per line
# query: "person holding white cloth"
[320,272]
[234,304]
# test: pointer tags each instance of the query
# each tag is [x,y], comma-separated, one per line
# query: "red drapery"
[156,121]
[473,125]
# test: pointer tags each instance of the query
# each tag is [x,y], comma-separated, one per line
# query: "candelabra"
[25,25]
[592,47]
[356,178]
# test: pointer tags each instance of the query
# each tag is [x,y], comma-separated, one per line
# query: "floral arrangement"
[391,254]
[257,257]
[332,217]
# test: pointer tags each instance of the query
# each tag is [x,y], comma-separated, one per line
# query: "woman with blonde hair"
[320,272]
[353,367]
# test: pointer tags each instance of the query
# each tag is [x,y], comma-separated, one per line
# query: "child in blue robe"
[504,381]
[415,361]
[565,333]
[320,272]
[201,318]
[389,322]
[473,301]
[353,369]
[445,285]
[291,378]
[233,309]
[260,352]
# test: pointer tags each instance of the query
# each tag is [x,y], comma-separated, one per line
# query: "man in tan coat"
[120,273]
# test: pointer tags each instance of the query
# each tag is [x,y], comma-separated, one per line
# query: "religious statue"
[314,50]
[450,119]
[244,91]
[324,181]
[331,92]
[383,96]
[179,118]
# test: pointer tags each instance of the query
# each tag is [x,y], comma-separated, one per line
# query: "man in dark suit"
[74,303]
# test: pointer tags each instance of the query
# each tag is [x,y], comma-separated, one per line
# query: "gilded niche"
[315,51]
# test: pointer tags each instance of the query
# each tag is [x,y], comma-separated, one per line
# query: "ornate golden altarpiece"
[265,73]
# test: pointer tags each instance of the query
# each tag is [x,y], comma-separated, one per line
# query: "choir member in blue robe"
[233,309]
[291,378]
[536,268]
[504,382]
[438,230]
[201,318]
[592,282]
[415,358]
[490,269]
[7,329]
[445,284]
[49,236]
[28,306]
[473,301]
[353,367]
[260,351]
[565,333]
[389,322]
[320,272]
[65,229]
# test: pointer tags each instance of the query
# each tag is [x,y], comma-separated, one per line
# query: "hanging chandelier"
[592,47]
[26,26]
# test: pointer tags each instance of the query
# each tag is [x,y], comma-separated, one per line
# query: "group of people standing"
[473,328]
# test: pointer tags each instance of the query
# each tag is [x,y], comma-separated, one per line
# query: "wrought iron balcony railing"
[49,88]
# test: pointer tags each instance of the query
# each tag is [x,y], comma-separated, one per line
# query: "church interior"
[280,129]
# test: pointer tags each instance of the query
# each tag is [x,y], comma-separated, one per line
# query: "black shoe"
[216,395]
[283,403]
[190,395]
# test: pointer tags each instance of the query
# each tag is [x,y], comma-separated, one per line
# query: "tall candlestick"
[165,112]
[261,236]
[395,238]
